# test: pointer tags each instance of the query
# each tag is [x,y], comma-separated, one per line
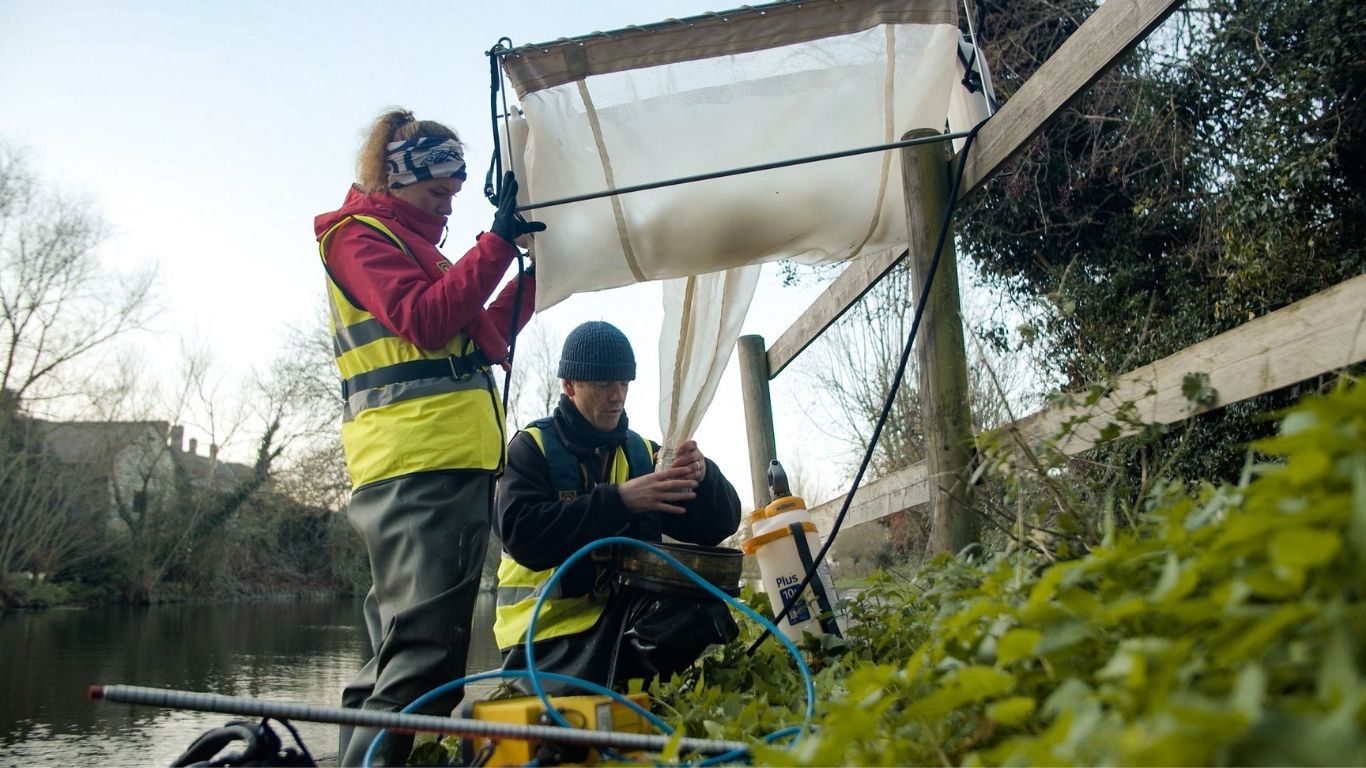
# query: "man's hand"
[689,457]
[660,491]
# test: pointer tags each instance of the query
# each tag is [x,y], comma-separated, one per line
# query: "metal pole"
[236,705]
[943,361]
[930,137]
[758,414]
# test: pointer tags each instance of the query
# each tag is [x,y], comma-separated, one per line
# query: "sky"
[209,135]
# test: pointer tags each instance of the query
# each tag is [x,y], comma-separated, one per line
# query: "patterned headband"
[424,157]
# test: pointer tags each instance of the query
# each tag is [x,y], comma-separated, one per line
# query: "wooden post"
[939,345]
[758,414]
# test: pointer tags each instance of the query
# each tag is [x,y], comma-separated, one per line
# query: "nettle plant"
[1222,625]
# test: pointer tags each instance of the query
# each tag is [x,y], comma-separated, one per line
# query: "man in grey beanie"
[580,475]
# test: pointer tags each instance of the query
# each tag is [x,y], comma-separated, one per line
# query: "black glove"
[507,222]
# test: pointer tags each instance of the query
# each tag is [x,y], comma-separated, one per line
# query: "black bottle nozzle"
[777,480]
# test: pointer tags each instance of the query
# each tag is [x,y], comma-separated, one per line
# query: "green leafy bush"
[1224,627]
[26,593]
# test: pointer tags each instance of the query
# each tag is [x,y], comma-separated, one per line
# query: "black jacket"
[540,530]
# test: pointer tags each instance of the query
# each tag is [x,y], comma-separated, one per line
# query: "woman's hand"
[507,222]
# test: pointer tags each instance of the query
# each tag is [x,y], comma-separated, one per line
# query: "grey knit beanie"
[597,351]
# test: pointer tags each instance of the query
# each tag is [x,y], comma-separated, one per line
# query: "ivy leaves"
[1223,628]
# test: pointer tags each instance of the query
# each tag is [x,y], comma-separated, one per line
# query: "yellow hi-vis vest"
[408,409]
[520,587]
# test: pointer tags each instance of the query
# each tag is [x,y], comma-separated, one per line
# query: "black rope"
[495,172]
[491,193]
[971,79]
[891,390]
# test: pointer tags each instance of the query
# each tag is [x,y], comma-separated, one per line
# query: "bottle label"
[787,588]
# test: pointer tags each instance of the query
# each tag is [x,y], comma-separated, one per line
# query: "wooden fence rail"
[1317,335]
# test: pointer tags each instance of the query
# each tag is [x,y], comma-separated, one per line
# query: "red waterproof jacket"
[428,302]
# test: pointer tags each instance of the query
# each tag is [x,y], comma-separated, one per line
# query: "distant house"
[128,461]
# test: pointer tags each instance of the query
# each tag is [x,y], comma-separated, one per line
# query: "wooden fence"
[1320,334]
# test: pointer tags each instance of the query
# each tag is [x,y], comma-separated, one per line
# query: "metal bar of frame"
[742,170]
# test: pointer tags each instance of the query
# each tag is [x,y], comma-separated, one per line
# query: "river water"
[297,651]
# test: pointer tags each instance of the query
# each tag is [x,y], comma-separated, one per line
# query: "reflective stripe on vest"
[520,587]
[405,409]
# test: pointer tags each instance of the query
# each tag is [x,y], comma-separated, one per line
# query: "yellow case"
[600,713]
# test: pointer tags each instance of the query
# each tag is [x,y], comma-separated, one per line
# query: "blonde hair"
[372,170]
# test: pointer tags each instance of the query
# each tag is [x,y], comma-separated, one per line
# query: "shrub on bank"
[22,591]
[1224,627]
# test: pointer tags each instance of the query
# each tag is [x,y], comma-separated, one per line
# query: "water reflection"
[283,651]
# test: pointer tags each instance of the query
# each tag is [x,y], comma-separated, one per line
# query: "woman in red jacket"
[422,425]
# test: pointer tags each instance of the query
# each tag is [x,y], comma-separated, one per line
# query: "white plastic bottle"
[784,541]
